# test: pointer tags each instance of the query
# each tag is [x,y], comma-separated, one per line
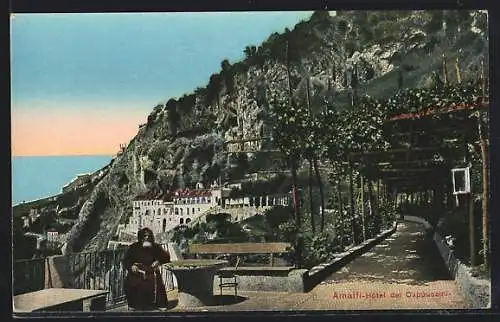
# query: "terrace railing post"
[351,205]
[472,230]
[363,208]
[341,214]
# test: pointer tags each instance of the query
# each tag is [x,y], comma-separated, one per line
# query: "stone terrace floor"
[398,273]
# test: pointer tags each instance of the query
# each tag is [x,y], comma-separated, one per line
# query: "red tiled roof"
[144,197]
[147,196]
[168,196]
[432,111]
[187,193]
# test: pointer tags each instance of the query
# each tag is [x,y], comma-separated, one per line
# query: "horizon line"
[64,155]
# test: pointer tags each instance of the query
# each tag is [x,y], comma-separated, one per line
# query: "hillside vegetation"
[353,54]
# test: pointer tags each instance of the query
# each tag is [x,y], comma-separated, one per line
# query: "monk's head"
[146,237]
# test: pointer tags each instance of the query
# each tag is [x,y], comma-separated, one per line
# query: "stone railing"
[87,270]
[318,273]
[477,292]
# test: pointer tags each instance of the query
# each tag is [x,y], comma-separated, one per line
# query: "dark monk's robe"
[145,292]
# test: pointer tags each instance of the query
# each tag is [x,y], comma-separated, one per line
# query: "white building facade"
[52,235]
[190,204]
[164,213]
[152,212]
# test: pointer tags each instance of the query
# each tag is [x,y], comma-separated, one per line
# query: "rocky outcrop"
[183,140]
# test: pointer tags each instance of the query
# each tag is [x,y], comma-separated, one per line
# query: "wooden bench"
[239,249]
[228,279]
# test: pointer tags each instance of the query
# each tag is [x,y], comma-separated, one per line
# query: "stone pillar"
[57,272]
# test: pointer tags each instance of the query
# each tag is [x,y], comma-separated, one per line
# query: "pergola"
[425,147]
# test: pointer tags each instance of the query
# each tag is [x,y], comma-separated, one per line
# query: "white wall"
[154,214]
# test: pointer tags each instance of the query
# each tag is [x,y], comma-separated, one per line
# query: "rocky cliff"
[348,55]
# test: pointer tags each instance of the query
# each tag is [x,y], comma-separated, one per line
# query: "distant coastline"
[40,177]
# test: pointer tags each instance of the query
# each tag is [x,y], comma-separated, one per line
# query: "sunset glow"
[59,131]
[82,83]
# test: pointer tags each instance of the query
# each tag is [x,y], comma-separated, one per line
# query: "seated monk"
[144,286]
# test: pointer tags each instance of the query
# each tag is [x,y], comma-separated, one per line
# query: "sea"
[37,177]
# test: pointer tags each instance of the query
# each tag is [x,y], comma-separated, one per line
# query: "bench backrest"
[239,248]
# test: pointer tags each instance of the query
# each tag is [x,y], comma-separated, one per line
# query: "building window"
[188,220]
[181,211]
[187,211]
[192,211]
[181,221]
[176,211]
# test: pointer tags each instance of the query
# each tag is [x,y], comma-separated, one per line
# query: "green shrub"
[320,248]
[388,214]
[454,225]
[288,232]
[278,215]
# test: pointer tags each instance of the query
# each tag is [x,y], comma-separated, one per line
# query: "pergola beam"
[419,161]
[435,169]
[395,151]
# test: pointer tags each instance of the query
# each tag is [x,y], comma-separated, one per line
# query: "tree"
[343,27]
[213,89]
[251,56]
[290,120]
[173,116]
[227,76]
[23,247]
[436,21]
[311,153]
[277,215]
[320,17]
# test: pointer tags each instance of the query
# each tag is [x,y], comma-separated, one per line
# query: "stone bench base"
[267,279]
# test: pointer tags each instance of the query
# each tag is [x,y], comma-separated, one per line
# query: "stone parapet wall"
[475,291]
[318,273]
[266,279]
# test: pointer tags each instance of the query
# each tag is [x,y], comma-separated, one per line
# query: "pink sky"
[73,131]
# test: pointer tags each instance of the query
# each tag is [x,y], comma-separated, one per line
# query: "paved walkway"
[403,272]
